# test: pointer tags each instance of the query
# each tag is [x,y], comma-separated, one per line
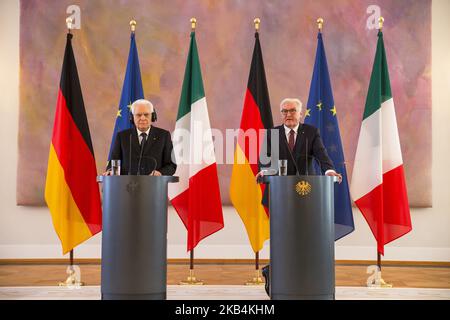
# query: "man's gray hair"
[298,104]
[143,102]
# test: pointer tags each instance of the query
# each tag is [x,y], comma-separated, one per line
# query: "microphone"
[129,163]
[306,157]
[140,156]
[292,157]
[156,163]
[316,164]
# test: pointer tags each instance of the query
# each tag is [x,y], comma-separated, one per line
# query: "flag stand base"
[379,283]
[256,281]
[384,284]
[191,280]
[72,280]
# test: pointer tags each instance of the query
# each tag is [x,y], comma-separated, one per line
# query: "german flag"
[245,193]
[71,190]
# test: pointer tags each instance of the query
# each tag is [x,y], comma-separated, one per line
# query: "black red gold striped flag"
[245,193]
[71,190]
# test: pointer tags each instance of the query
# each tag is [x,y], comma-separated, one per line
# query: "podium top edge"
[169,179]
[268,179]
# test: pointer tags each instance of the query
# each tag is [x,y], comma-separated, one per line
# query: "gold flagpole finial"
[319,24]
[380,23]
[193,23]
[69,23]
[257,23]
[133,25]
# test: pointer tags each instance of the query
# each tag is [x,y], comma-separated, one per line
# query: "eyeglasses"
[286,111]
[138,115]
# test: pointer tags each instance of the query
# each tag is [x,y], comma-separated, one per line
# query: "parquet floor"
[227,274]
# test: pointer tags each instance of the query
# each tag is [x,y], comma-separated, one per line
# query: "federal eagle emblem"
[132,186]
[303,188]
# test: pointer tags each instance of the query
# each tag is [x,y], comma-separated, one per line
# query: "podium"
[134,239]
[301,237]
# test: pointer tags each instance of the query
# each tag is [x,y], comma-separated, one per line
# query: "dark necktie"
[144,136]
[291,140]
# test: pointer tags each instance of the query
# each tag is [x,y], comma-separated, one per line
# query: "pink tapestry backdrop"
[225,38]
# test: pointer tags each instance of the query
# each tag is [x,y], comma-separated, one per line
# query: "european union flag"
[321,113]
[131,91]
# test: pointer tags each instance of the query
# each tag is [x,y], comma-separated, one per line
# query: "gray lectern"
[134,240]
[301,237]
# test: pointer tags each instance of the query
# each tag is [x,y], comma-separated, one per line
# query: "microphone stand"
[129,163]
[156,163]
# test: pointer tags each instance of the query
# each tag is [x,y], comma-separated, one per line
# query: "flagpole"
[73,278]
[70,279]
[383,283]
[380,282]
[191,279]
[379,260]
[257,280]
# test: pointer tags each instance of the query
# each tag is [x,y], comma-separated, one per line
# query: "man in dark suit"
[144,149]
[300,144]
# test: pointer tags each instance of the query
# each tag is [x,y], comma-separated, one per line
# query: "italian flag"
[378,182]
[196,198]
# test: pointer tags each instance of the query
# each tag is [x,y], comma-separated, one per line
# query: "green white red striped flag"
[378,182]
[196,198]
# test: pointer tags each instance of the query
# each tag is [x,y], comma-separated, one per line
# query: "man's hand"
[107,173]
[156,173]
[263,172]
[335,174]
[260,174]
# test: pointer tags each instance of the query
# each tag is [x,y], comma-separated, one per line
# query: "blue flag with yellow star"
[321,113]
[131,91]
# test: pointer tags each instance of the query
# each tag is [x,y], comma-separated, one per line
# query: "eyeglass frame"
[286,111]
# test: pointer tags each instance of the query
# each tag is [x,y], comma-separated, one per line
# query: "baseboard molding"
[83,261]
[230,252]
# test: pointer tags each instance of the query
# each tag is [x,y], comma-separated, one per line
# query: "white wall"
[27,232]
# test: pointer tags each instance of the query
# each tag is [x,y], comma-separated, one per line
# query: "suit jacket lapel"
[135,147]
[283,143]
[150,140]
[299,141]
